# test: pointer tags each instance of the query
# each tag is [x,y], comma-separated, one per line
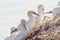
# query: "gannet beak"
[35,13]
[49,12]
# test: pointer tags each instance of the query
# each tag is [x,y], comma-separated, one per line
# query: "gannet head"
[13,30]
[41,8]
[23,22]
[30,13]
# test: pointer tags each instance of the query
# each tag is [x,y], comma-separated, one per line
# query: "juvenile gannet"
[14,32]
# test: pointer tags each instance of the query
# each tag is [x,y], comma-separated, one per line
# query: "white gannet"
[41,15]
[32,21]
[14,32]
[40,9]
[20,26]
[55,11]
[23,32]
[41,12]
[56,14]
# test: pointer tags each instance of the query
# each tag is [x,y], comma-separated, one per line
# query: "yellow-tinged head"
[32,12]
[41,7]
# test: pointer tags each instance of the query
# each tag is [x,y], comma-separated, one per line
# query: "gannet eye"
[42,9]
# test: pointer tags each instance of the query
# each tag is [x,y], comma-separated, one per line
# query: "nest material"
[52,33]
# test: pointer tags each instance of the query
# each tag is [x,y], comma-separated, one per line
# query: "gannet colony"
[38,27]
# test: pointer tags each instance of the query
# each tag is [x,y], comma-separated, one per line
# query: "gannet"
[41,12]
[56,14]
[23,33]
[14,32]
[40,9]
[32,21]
[55,11]
[41,15]
[20,26]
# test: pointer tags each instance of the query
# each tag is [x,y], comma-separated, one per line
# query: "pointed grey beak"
[35,13]
[48,12]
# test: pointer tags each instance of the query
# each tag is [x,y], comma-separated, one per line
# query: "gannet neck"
[30,17]
[40,13]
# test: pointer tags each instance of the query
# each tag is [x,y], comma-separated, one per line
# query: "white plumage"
[39,18]
[27,28]
[23,32]
[31,22]
[20,26]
